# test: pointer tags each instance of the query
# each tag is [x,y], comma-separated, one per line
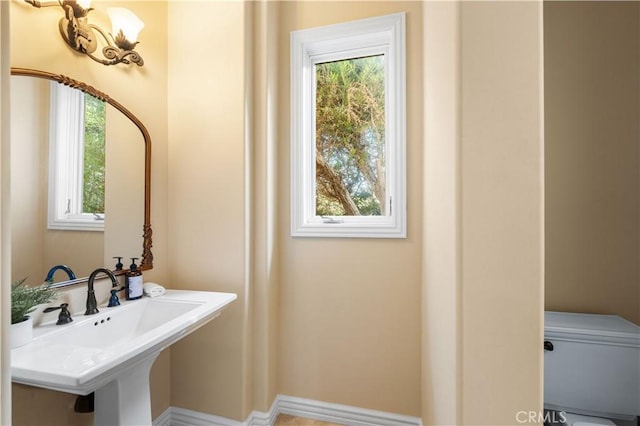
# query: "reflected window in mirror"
[77,160]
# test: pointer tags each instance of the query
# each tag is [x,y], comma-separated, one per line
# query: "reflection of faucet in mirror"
[92,305]
[53,270]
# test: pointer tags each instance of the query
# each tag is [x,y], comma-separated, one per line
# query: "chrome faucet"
[53,270]
[92,305]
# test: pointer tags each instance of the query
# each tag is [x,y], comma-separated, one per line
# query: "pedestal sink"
[111,353]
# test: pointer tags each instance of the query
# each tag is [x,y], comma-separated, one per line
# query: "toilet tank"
[594,366]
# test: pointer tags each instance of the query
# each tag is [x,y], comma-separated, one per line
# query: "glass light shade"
[125,20]
[85,4]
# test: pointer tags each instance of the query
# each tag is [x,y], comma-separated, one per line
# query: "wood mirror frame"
[147,256]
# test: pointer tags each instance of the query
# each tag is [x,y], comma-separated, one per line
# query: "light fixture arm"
[116,51]
[80,35]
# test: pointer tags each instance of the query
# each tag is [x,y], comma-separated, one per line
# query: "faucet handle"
[65,315]
[113,300]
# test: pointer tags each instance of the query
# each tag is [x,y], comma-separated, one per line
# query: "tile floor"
[286,420]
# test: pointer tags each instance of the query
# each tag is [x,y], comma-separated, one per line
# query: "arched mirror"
[80,180]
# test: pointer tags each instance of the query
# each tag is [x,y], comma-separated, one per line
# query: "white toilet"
[592,369]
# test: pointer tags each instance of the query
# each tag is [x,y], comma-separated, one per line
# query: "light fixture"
[80,35]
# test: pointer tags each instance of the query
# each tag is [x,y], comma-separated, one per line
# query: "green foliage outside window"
[350,137]
[94,155]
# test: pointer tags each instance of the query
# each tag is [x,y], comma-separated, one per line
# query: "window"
[76,160]
[348,129]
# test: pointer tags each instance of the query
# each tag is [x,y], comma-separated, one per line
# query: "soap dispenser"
[133,281]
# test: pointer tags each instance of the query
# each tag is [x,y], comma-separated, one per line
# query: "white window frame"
[355,39]
[66,162]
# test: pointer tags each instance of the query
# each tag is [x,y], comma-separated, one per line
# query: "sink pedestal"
[126,400]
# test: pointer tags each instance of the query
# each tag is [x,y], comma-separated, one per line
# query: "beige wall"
[483,214]
[207,117]
[310,320]
[265,254]
[315,358]
[502,221]
[36,43]
[592,110]
[350,308]
[441,277]
[124,190]
[82,251]
[29,159]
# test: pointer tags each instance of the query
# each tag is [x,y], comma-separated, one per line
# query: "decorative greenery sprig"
[24,299]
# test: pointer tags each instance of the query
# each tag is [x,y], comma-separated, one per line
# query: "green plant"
[24,299]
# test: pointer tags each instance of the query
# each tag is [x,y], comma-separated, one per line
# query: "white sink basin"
[82,356]
[114,345]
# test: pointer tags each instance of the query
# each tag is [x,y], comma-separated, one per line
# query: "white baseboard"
[183,417]
[300,407]
[163,419]
[341,414]
[260,418]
